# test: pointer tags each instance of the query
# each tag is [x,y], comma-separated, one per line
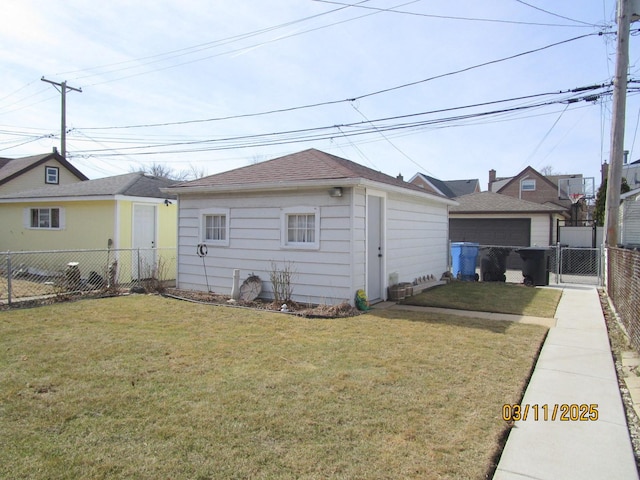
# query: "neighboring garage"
[491,231]
[490,218]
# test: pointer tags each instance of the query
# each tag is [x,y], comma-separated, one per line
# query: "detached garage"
[489,218]
[340,226]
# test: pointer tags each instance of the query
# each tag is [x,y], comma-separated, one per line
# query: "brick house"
[532,186]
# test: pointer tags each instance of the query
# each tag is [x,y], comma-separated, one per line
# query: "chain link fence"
[43,275]
[562,264]
[623,288]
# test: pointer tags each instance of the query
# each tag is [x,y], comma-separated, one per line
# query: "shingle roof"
[489,202]
[305,166]
[130,184]
[440,185]
[13,167]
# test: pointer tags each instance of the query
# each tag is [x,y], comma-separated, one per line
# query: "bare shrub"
[281,281]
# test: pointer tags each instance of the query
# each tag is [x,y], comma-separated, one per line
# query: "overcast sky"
[388,84]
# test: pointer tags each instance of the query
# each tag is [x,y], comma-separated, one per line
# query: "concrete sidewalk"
[575,367]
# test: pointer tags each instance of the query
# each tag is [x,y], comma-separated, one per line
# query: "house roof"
[630,194]
[11,168]
[451,188]
[532,171]
[463,187]
[552,180]
[306,168]
[135,184]
[490,202]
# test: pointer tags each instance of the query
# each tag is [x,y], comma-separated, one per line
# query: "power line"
[555,14]
[449,17]
[205,45]
[352,99]
[327,132]
[395,147]
[238,50]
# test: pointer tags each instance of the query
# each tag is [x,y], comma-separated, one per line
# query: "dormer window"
[51,175]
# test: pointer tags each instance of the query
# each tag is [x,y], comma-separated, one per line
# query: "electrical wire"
[236,51]
[202,46]
[386,138]
[325,132]
[349,100]
[544,138]
[555,14]
[449,17]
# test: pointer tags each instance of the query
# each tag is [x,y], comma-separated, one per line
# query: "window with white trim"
[215,227]
[51,175]
[47,218]
[301,228]
[528,185]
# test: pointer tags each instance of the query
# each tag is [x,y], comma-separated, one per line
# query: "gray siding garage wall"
[322,275]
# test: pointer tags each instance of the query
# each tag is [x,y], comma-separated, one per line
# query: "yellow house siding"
[125,221]
[87,225]
[168,225]
[34,178]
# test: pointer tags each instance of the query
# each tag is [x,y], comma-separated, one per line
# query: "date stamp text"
[565,412]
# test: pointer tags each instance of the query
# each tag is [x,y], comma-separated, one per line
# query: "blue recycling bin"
[463,260]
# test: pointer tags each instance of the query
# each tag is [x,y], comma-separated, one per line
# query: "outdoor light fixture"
[167,202]
[335,192]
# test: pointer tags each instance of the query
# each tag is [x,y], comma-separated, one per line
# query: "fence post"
[602,261]
[139,266]
[558,260]
[9,278]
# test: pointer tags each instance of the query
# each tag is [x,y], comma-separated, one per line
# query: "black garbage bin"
[493,264]
[535,265]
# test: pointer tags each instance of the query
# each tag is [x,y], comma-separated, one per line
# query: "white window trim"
[61,218]
[46,175]
[531,182]
[284,213]
[214,211]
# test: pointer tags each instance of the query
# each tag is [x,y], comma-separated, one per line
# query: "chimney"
[604,171]
[55,149]
[626,157]
[400,177]
[492,177]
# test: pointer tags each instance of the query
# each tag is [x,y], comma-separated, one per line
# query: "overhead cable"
[352,99]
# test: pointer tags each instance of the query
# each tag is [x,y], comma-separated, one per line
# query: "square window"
[300,228]
[51,175]
[47,218]
[214,227]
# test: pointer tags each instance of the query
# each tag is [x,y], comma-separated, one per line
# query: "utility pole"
[627,12]
[62,88]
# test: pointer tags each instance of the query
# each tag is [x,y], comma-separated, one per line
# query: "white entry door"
[374,249]
[144,239]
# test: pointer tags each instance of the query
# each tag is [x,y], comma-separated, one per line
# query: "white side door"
[374,248]
[144,239]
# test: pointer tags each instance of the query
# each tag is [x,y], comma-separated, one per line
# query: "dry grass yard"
[494,297]
[147,387]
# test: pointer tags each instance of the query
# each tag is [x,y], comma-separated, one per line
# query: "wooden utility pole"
[62,88]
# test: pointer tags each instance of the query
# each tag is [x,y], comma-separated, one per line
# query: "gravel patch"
[619,345]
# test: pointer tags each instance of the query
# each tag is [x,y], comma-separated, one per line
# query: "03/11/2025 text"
[565,412]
